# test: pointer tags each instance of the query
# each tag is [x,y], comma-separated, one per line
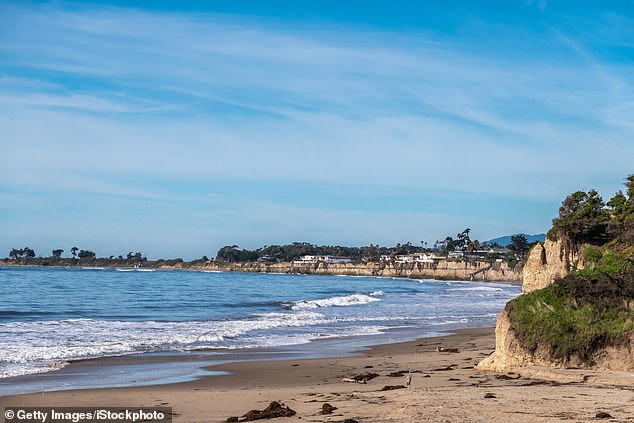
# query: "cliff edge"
[577,303]
[548,262]
[580,322]
[545,263]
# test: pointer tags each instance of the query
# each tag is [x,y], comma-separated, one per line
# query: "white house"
[312,259]
[417,258]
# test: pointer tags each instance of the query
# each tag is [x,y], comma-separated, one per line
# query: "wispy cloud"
[111,101]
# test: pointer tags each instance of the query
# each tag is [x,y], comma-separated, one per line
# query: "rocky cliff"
[545,263]
[509,352]
[444,270]
[576,322]
[512,355]
[548,262]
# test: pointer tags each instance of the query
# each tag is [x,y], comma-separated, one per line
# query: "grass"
[605,261]
[576,316]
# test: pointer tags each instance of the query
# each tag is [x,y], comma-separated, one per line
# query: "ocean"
[50,316]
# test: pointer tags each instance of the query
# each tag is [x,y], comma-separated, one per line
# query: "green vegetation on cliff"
[576,316]
[584,218]
[592,308]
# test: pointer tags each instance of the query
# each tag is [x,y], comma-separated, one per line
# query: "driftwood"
[362,378]
[449,350]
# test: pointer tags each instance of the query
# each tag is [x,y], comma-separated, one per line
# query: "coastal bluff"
[442,270]
[545,263]
[550,307]
[447,270]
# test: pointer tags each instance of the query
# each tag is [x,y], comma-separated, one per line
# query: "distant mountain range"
[506,240]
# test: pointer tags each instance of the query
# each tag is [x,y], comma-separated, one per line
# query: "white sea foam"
[32,347]
[244,315]
[477,288]
[135,270]
[449,322]
[31,368]
[342,301]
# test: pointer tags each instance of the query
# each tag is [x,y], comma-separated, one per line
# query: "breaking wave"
[341,301]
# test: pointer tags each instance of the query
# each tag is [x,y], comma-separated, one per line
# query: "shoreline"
[399,271]
[445,387]
[157,368]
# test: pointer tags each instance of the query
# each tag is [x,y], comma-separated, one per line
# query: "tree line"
[76,253]
[602,231]
[289,252]
[584,218]
[293,251]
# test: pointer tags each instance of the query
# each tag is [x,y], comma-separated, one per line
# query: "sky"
[175,128]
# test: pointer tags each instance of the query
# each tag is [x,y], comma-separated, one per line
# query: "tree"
[463,242]
[73,251]
[370,253]
[228,253]
[28,253]
[582,219]
[15,254]
[629,186]
[621,224]
[57,253]
[519,245]
[86,254]
[135,256]
[446,245]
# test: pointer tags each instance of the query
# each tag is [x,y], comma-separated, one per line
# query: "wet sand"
[444,388]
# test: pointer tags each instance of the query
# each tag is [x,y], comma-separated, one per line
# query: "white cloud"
[100,100]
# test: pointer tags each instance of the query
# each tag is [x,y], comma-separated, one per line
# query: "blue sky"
[174,128]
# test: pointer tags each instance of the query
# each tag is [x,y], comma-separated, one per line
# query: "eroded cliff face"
[509,352]
[447,270]
[545,264]
[510,355]
[548,262]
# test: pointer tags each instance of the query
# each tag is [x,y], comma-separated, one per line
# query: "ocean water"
[50,316]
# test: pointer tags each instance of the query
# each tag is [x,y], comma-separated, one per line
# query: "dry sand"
[445,388]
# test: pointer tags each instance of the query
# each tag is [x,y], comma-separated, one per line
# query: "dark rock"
[232,419]
[443,369]
[489,395]
[603,415]
[400,373]
[327,409]
[507,377]
[392,387]
[274,410]
[365,377]
[350,421]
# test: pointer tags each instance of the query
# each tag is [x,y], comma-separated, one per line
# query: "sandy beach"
[444,388]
